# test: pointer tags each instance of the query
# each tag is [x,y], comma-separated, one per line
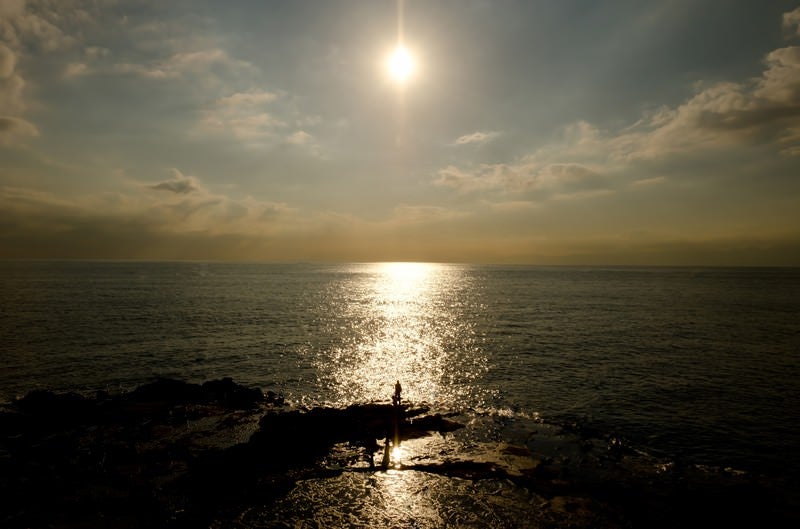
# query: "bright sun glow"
[400,64]
[397,455]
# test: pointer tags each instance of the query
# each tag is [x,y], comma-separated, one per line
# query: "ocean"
[697,365]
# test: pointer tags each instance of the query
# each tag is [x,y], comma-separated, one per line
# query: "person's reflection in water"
[386,453]
[393,432]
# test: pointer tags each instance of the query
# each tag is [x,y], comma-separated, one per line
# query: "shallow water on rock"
[398,498]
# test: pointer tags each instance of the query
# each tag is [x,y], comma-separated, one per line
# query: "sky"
[623,132]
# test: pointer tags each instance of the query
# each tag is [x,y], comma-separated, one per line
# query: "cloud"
[407,214]
[95,52]
[11,89]
[300,137]
[167,54]
[197,60]
[780,83]
[43,33]
[12,8]
[182,64]
[476,137]
[791,21]
[791,141]
[12,130]
[11,83]
[568,176]
[656,180]
[247,98]
[184,204]
[302,140]
[462,180]
[243,116]
[8,62]
[179,184]
[762,111]
[526,176]
[75,69]
[150,72]
[200,225]
[35,24]
[181,206]
[28,28]
[241,126]
[143,225]
[757,111]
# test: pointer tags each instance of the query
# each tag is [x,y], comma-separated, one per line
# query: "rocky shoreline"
[175,454]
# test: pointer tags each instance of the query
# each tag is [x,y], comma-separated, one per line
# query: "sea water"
[696,364]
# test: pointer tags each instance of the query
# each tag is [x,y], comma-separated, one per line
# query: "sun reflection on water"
[397,498]
[397,455]
[400,323]
[388,322]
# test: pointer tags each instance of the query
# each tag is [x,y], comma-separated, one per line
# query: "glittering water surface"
[698,363]
[404,321]
[398,499]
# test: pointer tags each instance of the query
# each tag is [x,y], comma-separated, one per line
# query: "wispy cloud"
[181,64]
[8,62]
[241,126]
[178,204]
[656,180]
[247,98]
[197,225]
[526,176]
[476,137]
[791,22]
[408,214]
[299,137]
[15,130]
[148,71]
[95,52]
[179,184]
[11,83]
[246,116]
[75,69]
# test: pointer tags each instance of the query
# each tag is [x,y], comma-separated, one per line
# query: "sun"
[400,64]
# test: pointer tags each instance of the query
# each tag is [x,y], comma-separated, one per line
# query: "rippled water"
[398,499]
[703,364]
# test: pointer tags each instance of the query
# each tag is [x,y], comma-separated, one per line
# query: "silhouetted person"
[397,390]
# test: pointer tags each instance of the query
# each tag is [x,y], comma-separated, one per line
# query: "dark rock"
[71,461]
[275,399]
[230,394]
[298,435]
[224,392]
[429,423]
[168,390]
[69,407]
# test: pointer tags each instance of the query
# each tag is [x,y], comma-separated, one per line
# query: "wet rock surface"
[174,454]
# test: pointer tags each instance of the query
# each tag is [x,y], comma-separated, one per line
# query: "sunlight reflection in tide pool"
[404,321]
